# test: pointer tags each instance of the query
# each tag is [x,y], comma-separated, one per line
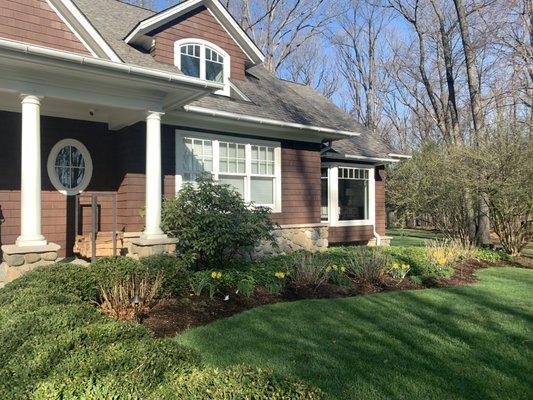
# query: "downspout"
[376,235]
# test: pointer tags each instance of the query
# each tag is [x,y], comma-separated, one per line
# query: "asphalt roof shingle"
[270,97]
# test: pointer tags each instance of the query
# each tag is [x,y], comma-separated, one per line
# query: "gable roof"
[219,12]
[271,100]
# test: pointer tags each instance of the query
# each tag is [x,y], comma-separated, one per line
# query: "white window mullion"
[202,62]
[248,179]
[216,159]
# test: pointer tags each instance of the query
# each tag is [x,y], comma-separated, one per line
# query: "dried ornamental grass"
[116,300]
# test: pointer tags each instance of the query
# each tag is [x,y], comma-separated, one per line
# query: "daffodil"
[441,261]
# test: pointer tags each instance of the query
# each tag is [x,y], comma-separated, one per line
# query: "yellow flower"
[343,269]
[334,267]
[216,275]
[441,261]
[328,268]
[280,275]
[395,266]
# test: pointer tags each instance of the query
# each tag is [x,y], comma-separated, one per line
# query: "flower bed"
[55,344]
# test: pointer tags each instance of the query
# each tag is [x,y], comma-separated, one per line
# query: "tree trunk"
[474,89]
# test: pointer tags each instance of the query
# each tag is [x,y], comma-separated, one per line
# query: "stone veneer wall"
[294,238]
[18,261]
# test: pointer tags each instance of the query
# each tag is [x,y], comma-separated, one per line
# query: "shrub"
[213,223]
[368,263]
[118,299]
[115,270]
[235,384]
[175,273]
[309,269]
[54,344]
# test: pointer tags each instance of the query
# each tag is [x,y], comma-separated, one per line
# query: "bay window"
[348,193]
[251,167]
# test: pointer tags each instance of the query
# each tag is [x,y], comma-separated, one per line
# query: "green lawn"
[472,342]
[411,237]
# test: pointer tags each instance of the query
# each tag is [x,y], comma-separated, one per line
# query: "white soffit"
[220,13]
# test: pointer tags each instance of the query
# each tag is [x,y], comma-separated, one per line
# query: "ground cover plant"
[55,344]
[466,342]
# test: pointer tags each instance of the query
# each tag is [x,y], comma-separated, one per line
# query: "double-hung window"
[251,167]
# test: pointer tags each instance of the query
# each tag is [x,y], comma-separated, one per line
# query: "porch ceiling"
[73,86]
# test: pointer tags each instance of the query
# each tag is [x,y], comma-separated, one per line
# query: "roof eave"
[326,133]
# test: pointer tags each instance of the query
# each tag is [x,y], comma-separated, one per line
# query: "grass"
[471,342]
[411,237]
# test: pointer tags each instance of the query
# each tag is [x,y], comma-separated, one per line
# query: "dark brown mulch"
[173,315]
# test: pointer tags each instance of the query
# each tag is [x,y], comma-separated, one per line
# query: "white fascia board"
[235,30]
[82,26]
[220,13]
[266,121]
[105,65]
[161,18]
[407,157]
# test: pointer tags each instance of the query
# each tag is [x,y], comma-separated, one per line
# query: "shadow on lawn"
[465,342]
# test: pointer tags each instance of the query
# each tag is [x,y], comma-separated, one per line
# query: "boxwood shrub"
[54,344]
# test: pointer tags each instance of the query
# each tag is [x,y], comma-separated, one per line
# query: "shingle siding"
[33,21]
[198,24]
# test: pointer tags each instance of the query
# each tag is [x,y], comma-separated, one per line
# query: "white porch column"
[30,189]
[153,178]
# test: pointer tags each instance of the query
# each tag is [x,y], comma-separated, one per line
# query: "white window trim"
[52,172]
[203,45]
[216,139]
[333,195]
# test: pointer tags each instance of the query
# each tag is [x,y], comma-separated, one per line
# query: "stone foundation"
[19,260]
[138,248]
[292,238]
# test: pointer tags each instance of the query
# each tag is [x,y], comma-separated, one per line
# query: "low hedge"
[55,344]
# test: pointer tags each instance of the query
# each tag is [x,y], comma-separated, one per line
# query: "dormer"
[201,39]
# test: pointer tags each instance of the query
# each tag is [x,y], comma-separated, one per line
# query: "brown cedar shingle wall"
[33,21]
[57,209]
[347,234]
[300,183]
[119,164]
[132,156]
[198,24]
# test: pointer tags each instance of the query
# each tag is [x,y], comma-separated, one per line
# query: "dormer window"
[204,60]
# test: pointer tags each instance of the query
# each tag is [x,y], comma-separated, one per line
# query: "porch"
[72,124]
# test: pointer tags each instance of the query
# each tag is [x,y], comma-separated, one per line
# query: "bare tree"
[281,27]
[358,40]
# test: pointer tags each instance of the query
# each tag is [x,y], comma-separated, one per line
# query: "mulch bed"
[174,315]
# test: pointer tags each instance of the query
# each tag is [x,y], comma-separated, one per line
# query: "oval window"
[70,167]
